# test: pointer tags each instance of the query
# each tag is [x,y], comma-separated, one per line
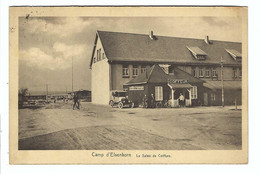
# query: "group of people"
[149,102]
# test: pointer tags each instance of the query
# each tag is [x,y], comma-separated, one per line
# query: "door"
[206,102]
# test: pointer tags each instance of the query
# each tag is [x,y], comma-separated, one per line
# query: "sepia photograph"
[130,83]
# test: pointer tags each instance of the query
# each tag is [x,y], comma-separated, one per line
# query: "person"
[76,101]
[145,100]
[152,101]
[181,100]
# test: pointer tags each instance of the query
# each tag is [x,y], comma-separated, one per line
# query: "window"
[234,73]
[125,71]
[207,72]
[103,55]
[193,71]
[194,92]
[99,54]
[135,70]
[143,69]
[240,72]
[214,72]
[213,96]
[158,93]
[201,72]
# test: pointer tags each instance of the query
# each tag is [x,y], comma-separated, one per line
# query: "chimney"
[207,40]
[151,35]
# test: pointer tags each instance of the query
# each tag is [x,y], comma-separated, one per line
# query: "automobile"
[119,98]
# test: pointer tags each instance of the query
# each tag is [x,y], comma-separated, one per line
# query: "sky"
[49,45]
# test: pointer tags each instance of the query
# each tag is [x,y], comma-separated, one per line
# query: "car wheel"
[120,105]
[111,103]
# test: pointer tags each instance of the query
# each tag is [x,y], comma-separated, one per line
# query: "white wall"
[100,84]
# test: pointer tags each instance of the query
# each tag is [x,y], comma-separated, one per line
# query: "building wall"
[100,84]
[229,97]
[137,96]
[227,72]
[117,78]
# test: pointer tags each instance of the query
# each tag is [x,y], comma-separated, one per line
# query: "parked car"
[119,98]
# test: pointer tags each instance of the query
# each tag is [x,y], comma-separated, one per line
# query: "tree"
[21,96]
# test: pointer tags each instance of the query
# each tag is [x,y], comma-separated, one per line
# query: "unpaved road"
[58,127]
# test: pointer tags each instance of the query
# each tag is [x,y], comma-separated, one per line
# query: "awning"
[228,85]
[180,85]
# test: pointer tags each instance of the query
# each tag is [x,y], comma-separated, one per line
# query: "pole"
[236,103]
[47,92]
[72,75]
[222,82]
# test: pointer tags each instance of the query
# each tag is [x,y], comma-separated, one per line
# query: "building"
[118,58]
[84,95]
[165,87]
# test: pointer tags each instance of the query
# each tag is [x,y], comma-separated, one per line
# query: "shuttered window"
[194,92]
[158,93]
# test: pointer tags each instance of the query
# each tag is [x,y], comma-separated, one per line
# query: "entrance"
[185,90]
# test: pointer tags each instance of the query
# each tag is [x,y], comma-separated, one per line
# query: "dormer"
[197,53]
[235,54]
[165,67]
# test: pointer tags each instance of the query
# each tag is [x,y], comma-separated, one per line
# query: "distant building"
[118,58]
[83,94]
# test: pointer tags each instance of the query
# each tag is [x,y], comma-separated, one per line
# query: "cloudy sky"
[47,45]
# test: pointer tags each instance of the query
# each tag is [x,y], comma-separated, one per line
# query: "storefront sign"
[179,81]
[136,88]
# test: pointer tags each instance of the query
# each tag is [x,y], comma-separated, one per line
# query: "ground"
[57,127]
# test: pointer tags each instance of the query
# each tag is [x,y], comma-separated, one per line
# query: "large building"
[118,58]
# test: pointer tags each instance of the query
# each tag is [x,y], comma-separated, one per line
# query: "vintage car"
[118,98]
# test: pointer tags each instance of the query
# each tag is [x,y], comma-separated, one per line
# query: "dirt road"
[58,127]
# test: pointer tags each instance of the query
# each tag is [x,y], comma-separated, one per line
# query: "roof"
[155,74]
[234,53]
[183,85]
[140,48]
[234,85]
[197,51]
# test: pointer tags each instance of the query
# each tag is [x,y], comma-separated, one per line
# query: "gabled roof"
[155,74]
[162,49]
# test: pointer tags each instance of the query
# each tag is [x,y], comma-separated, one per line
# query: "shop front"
[159,88]
[180,89]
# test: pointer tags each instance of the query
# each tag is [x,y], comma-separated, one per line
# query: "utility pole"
[47,92]
[72,75]
[222,82]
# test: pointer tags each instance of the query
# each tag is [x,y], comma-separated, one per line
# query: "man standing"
[76,101]
[152,101]
[181,100]
[145,101]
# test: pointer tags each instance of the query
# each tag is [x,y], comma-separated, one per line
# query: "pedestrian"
[181,100]
[152,101]
[145,101]
[76,101]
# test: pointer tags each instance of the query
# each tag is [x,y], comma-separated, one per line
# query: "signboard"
[177,81]
[136,88]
